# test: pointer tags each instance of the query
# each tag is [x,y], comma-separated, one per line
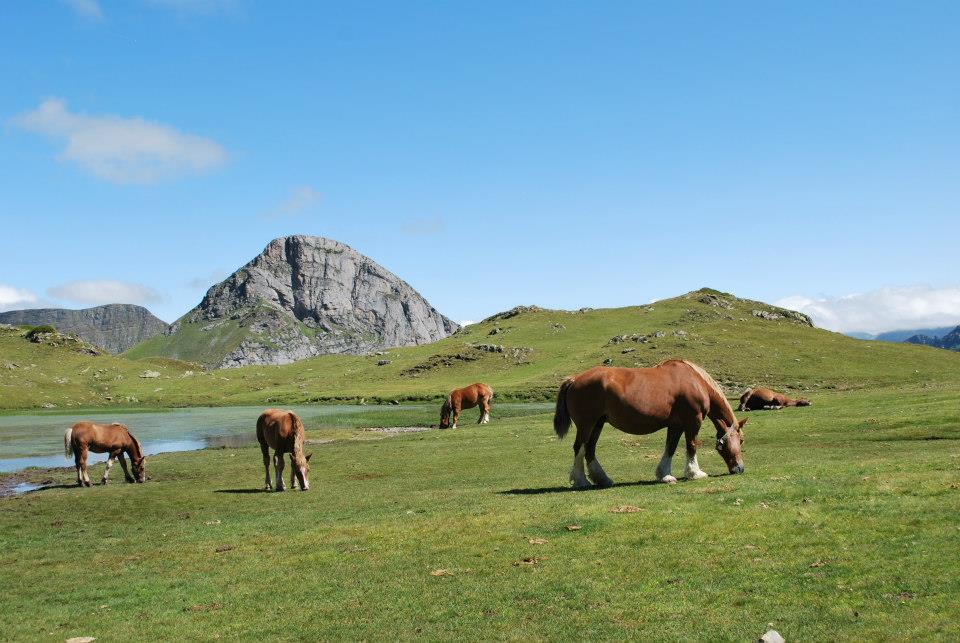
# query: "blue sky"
[491,154]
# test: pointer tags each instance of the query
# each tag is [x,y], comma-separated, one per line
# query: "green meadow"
[845,525]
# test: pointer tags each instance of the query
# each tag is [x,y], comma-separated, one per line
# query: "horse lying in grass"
[478,394]
[114,439]
[675,394]
[757,399]
[283,432]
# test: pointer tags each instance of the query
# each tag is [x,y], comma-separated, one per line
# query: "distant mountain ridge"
[113,327]
[901,335]
[950,341]
[301,297]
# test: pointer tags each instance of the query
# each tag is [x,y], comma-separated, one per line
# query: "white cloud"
[85,8]
[423,227]
[12,298]
[196,6]
[105,292]
[205,281]
[467,322]
[891,308]
[300,198]
[122,150]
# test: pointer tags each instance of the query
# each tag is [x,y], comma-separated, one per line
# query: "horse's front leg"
[693,470]
[456,416]
[278,467]
[106,471]
[293,472]
[666,462]
[126,472]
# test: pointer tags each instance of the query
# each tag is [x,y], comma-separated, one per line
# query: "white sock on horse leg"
[665,467]
[106,472]
[693,469]
[576,473]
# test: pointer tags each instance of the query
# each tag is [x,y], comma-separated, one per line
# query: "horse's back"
[99,436]
[275,427]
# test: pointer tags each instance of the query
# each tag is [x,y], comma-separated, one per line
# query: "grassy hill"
[522,353]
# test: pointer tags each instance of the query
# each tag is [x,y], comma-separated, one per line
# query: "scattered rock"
[223,548]
[608,361]
[772,636]
[529,560]
[441,572]
[48,405]
[574,527]
[10,366]
[538,541]
[383,362]
[149,374]
[81,639]
[625,509]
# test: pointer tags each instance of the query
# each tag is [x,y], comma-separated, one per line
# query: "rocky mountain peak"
[304,296]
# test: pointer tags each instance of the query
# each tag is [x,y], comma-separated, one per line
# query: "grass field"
[845,525]
[532,351]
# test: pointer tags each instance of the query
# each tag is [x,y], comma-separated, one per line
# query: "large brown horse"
[675,394]
[478,394]
[114,439]
[756,399]
[283,432]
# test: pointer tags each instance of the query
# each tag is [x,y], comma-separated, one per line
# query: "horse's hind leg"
[79,467]
[693,470]
[278,466]
[484,411]
[577,476]
[265,450]
[84,473]
[596,472]
[666,462]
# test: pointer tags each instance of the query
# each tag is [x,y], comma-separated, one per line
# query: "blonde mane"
[712,383]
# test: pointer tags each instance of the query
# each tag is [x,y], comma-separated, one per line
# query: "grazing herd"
[675,394]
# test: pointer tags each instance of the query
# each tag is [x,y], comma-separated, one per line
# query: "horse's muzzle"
[737,469]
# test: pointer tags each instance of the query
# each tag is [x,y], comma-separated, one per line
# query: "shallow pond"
[36,440]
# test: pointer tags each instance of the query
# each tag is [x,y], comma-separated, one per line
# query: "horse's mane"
[712,383]
[447,404]
[135,441]
[298,439]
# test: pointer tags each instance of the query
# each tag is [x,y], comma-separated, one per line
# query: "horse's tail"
[68,443]
[561,418]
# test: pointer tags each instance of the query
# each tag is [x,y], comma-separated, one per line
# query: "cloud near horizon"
[106,291]
[878,311]
[13,298]
[122,150]
[85,8]
[300,199]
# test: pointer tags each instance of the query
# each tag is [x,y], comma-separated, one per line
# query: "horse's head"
[730,445]
[803,402]
[445,416]
[302,471]
[138,468]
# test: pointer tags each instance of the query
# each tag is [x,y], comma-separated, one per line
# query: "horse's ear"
[741,423]
[308,456]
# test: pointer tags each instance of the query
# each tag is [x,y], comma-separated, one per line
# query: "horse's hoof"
[699,475]
[104,481]
[604,484]
[86,484]
[668,480]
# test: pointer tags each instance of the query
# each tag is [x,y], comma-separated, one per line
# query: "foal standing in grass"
[283,432]
[676,394]
[478,394]
[114,439]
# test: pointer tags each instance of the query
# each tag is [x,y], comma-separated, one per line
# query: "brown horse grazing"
[114,439]
[675,394]
[466,398]
[283,432]
[756,399]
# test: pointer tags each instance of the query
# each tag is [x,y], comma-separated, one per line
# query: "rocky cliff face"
[305,296]
[114,327]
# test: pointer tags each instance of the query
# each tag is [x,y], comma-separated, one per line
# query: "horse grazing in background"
[283,432]
[114,439]
[478,394]
[675,394]
[757,399]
